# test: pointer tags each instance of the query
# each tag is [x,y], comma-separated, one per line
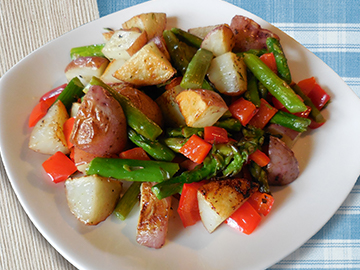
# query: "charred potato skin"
[100,124]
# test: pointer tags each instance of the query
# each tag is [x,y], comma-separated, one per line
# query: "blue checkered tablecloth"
[331,30]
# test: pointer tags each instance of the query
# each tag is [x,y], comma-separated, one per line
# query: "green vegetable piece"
[197,69]
[314,113]
[276,86]
[136,119]
[128,201]
[230,124]
[175,144]
[71,93]
[252,93]
[274,46]
[91,50]
[187,37]
[261,176]
[133,170]
[289,120]
[155,149]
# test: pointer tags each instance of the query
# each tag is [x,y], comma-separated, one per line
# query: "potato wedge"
[148,66]
[200,107]
[228,73]
[107,76]
[47,136]
[219,199]
[220,40]
[154,23]
[153,219]
[85,68]
[124,43]
[170,108]
[92,198]
[201,32]
[100,124]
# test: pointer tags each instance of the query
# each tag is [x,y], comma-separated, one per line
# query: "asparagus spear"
[136,119]
[252,93]
[187,37]
[274,46]
[276,86]
[91,50]
[196,70]
[230,124]
[127,201]
[133,170]
[155,149]
[71,93]
[261,176]
[289,120]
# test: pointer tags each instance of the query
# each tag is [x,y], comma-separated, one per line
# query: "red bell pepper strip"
[260,158]
[213,134]
[245,219]
[307,85]
[188,205]
[318,96]
[53,93]
[59,167]
[40,110]
[67,129]
[135,153]
[243,110]
[269,60]
[195,149]
[263,115]
[262,202]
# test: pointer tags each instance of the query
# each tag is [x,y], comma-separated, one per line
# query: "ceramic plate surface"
[329,161]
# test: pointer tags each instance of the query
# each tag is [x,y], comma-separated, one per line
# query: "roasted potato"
[200,107]
[148,66]
[154,23]
[201,32]
[85,68]
[219,40]
[47,136]
[107,76]
[92,198]
[124,43]
[219,199]
[100,124]
[228,73]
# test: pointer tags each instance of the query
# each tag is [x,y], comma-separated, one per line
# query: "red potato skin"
[100,124]
[283,167]
[248,34]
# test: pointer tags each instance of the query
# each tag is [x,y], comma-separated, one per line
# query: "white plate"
[328,158]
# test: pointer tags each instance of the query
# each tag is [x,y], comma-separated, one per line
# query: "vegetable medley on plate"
[206,116]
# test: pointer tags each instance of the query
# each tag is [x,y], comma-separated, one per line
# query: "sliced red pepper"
[318,96]
[59,167]
[269,60]
[260,158]
[214,134]
[262,202]
[135,153]
[188,205]
[263,115]
[243,110]
[53,93]
[307,85]
[245,219]
[195,149]
[304,114]
[67,129]
[40,110]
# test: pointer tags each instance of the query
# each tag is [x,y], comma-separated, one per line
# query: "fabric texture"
[328,28]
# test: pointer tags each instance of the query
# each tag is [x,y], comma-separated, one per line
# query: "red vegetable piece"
[269,60]
[261,202]
[260,158]
[263,115]
[243,110]
[245,219]
[67,129]
[59,167]
[319,97]
[188,205]
[214,134]
[195,149]
[135,153]
[307,85]
[53,93]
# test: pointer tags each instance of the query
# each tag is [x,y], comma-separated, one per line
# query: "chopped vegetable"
[262,202]
[263,114]
[135,153]
[59,167]
[215,134]
[196,149]
[260,158]
[243,110]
